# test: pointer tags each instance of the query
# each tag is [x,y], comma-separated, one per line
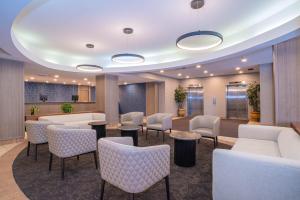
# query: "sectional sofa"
[264,164]
[76,120]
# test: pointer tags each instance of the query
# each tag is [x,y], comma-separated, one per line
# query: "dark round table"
[100,127]
[185,148]
[131,131]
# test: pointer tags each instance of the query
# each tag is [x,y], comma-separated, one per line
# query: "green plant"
[179,96]
[67,107]
[253,96]
[34,110]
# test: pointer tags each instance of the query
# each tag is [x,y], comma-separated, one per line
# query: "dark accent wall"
[54,92]
[132,98]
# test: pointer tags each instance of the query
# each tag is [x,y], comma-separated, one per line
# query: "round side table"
[132,131]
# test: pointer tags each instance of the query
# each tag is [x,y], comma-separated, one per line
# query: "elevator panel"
[237,102]
[195,101]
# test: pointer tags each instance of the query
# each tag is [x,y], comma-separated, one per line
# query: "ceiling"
[54,33]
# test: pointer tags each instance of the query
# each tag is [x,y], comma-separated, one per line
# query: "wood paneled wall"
[11,100]
[151,98]
[286,68]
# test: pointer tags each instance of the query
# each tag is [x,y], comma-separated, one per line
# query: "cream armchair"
[132,169]
[66,142]
[133,118]
[159,122]
[36,134]
[206,125]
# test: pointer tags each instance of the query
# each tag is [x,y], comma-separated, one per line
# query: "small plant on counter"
[34,110]
[67,108]
[180,96]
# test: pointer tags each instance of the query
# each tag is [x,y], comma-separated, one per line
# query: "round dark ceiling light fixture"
[127,58]
[199,40]
[196,4]
[128,30]
[90,46]
[89,68]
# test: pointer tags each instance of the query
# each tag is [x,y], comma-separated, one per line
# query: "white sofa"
[263,164]
[78,120]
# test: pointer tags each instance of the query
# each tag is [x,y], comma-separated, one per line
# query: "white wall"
[216,87]
[267,106]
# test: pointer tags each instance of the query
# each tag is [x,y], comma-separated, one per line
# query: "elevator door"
[195,101]
[237,103]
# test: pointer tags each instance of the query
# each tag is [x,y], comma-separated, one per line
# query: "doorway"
[237,102]
[195,101]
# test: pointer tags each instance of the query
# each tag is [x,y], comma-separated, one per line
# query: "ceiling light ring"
[140,58]
[199,33]
[89,68]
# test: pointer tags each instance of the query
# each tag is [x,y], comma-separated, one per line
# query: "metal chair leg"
[28,148]
[62,165]
[95,158]
[50,161]
[146,133]
[102,189]
[36,146]
[167,187]
[77,157]
[163,133]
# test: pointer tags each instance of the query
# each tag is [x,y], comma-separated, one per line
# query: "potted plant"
[180,96]
[34,110]
[67,108]
[254,101]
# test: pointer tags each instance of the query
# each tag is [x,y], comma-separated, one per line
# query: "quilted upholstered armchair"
[159,122]
[132,169]
[36,134]
[133,118]
[206,125]
[66,142]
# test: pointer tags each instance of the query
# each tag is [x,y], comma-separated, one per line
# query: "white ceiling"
[54,33]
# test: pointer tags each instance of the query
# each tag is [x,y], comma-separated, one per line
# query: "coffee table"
[100,127]
[185,148]
[132,131]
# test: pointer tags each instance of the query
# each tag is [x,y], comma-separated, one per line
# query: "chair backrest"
[133,169]
[36,131]
[206,121]
[160,116]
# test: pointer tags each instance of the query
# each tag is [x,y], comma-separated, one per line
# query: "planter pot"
[254,116]
[181,112]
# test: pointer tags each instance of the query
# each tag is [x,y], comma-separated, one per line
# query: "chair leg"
[167,187]
[163,133]
[142,128]
[157,133]
[95,158]
[146,133]
[36,147]
[62,166]
[102,189]
[50,161]
[217,142]
[214,142]
[28,148]
[77,157]
[170,130]
[132,196]
[199,141]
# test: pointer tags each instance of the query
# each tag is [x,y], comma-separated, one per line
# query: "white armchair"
[67,141]
[133,118]
[206,125]
[132,169]
[36,134]
[159,122]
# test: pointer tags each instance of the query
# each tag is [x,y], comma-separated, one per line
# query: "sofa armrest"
[259,132]
[238,175]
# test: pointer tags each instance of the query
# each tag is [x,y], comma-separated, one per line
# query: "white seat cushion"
[126,123]
[260,147]
[289,144]
[155,126]
[203,131]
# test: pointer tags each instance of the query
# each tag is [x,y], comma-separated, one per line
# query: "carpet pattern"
[82,180]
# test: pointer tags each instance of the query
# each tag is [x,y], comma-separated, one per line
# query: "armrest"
[151,119]
[259,132]
[167,123]
[193,123]
[216,127]
[120,140]
[238,175]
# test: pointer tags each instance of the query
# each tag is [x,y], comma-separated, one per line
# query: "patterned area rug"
[82,180]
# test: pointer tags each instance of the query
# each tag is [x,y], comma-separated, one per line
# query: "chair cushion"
[155,126]
[289,144]
[203,131]
[260,147]
[126,123]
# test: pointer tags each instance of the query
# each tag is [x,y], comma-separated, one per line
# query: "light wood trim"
[151,98]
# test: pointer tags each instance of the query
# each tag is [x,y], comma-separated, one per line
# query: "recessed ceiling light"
[89,68]
[89,45]
[161,71]
[125,83]
[199,40]
[187,77]
[128,30]
[74,81]
[179,74]
[32,78]
[85,79]
[241,72]
[56,76]
[89,82]
[92,84]
[55,79]
[64,83]
[237,68]
[47,81]
[211,74]
[198,66]
[243,59]
[79,83]
[196,4]
[26,80]
[205,71]
[243,82]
